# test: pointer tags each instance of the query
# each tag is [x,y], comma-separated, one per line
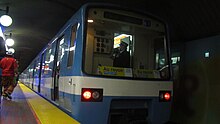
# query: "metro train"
[75,70]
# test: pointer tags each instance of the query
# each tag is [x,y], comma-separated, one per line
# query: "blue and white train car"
[76,71]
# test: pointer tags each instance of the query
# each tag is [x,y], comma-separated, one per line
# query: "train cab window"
[72,46]
[125,44]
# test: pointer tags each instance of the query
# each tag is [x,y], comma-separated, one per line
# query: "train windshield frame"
[124,44]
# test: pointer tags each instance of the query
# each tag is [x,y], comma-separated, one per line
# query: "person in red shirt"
[9,66]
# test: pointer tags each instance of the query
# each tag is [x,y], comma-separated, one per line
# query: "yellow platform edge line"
[46,112]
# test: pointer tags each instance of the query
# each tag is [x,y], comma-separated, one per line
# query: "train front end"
[133,89]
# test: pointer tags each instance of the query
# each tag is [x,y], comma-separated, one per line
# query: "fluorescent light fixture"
[206,54]
[90,21]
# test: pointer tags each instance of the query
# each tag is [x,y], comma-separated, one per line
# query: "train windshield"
[125,44]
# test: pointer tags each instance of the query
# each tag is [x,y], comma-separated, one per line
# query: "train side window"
[72,46]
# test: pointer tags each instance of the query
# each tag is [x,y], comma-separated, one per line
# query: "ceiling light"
[6,20]
[12,50]
[9,42]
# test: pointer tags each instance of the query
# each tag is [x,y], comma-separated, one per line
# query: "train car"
[77,72]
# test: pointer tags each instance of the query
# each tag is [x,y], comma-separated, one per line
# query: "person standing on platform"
[9,67]
[16,78]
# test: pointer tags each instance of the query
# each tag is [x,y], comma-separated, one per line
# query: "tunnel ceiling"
[35,22]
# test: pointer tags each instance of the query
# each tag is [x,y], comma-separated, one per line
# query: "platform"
[27,107]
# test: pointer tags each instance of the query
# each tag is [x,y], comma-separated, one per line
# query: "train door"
[56,69]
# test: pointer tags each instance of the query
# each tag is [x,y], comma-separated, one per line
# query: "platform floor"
[27,107]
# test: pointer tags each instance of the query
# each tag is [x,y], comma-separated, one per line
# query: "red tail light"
[167,96]
[91,95]
[164,96]
[87,95]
